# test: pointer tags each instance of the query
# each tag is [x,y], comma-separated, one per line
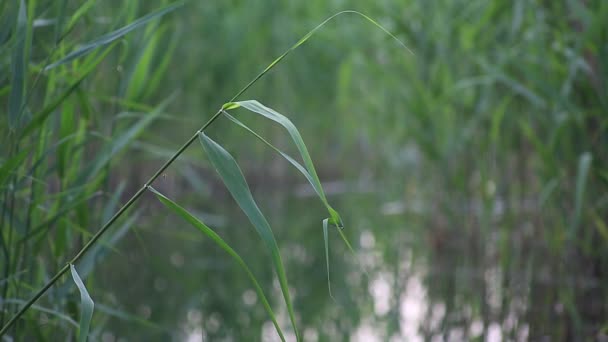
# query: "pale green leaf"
[86,310]
[183,213]
[233,178]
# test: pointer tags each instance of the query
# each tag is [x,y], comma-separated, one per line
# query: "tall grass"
[485,155]
[23,129]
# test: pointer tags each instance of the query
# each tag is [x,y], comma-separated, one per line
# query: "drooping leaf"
[310,173]
[233,178]
[114,35]
[326,240]
[86,310]
[183,213]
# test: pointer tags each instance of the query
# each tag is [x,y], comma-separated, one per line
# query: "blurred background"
[471,175]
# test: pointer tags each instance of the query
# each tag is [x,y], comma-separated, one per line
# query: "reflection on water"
[421,273]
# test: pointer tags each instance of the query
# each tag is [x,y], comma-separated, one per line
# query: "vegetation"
[470,175]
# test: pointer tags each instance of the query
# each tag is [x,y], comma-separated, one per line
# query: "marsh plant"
[472,173]
[48,147]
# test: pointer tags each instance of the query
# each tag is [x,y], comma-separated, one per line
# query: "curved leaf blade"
[311,173]
[114,35]
[183,213]
[233,178]
[87,306]
[313,180]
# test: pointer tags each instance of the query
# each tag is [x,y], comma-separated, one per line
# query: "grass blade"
[233,178]
[326,240]
[114,35]
[183,213]
[81,11]
[584,163]
[61,316]
[18,68]
[87,306]
[310,173]
[11,165]
[41,116]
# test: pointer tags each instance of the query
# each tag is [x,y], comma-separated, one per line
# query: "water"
[424,271]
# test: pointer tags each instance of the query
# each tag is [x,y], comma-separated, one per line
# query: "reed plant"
[476,168]
[26,174]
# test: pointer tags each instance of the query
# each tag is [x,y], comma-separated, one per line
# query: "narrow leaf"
[11,165]
[233,178]
[114,35]
[326,240]
[87,306]
[41,116]
[310,176]
[584,163]
[82,10]
[183,213]
[45,310]
[19,63]
[311,173]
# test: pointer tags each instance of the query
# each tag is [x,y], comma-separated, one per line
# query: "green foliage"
[474,168]
[86,306]
[223,245]
[233,178]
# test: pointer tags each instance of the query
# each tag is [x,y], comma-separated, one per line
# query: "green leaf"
[7,22]
[81,11]
[45,310]
[19,63]
[183,213]
[144,66]
[233,178]
[326,240]
[114,35]
[61,9]
[41,116]
[309,171]
[87,306]
[584,163]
